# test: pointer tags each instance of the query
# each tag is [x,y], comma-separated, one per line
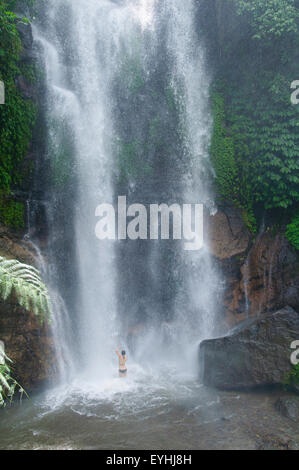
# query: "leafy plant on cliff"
[231,171]
[223,153]
[271,18]
[256,138]
[8,385]
[25,282]
[261,112]
[291,378]
[17,116]
[292,232]
[12,214]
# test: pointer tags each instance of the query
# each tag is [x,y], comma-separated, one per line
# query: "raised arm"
[117,353]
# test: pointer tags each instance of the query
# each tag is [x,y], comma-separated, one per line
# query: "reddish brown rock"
[228,234]
[27,342]
[260,275]
[267,280]
[12,247]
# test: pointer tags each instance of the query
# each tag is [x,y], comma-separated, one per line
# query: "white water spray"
[90,48]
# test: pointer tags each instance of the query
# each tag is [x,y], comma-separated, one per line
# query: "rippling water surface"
[146,411]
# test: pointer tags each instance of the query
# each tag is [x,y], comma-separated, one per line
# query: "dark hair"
[123,353]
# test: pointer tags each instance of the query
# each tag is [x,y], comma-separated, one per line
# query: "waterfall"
[127,113]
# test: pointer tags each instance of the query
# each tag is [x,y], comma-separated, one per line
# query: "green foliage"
[12,214]
[255,145]
[223,153]
[25,282]
[16,121]
[11,4]
[262,114]
[30,73]
[17,116]
[291,378]
[292,232]
[271,18]
[8,385]
[225,150]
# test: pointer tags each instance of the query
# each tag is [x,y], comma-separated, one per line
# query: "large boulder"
[256,353]
[288,407]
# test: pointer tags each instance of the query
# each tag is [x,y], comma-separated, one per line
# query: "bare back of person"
[122,359]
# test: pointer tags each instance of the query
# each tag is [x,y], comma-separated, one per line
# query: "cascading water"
[127,114]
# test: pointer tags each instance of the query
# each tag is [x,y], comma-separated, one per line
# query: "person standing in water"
[122,359]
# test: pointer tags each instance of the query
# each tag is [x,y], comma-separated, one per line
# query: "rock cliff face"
[27,342]
[261,275]
[13,247]
[228,235]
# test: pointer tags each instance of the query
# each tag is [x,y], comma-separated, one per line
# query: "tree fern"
[26,283]
[8,385]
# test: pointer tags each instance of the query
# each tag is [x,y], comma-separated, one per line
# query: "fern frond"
[8,385]
[26,283]
[4,381]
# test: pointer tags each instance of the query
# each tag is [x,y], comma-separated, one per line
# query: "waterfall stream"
[127,114]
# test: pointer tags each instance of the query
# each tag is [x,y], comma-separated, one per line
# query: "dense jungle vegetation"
[17,116]
[255,142]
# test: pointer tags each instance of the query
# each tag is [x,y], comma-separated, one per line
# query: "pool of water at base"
[161,411]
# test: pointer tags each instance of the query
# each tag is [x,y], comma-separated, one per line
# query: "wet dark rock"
[257,354]
[288,407]
[25,32]
[26,89]
[28,343]
[275,443]
[12,247]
